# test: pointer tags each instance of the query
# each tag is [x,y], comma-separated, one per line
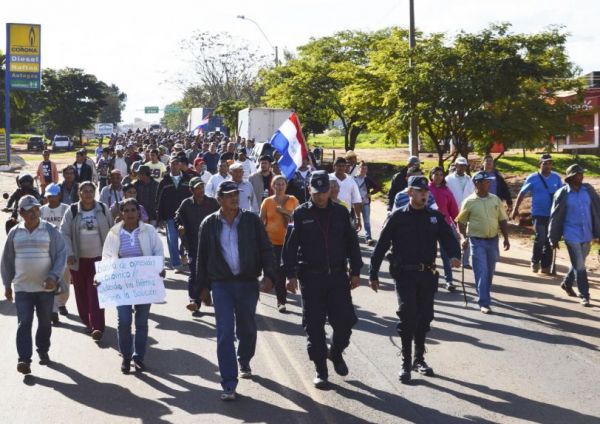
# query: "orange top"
[275,222]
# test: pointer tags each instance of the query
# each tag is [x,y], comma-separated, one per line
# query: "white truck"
[261,123]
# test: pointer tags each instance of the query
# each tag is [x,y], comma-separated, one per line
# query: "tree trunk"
[350,140]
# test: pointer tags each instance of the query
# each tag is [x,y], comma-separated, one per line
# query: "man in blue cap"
[413,232]
[482,215]
[317,251]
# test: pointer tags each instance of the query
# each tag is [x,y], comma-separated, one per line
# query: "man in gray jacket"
[33,261]
[576,218]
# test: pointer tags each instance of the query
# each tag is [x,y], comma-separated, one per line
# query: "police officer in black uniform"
[413,231]
[317,251]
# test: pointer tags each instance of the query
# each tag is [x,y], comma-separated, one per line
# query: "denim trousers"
[235,312]
[447,265]
[173,243]
[132,346]
[578,252]
[366,219]
[484,255]
[27,303]
[542,250]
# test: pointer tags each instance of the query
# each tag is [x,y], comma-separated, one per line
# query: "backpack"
[75,206]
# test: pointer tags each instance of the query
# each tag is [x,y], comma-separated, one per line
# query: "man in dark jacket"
[299,185]
[399,181]
[188,218]
[147,188]
[172,190]
[497,186]
[576,218]
[83,172]
[321,243]
[232,274]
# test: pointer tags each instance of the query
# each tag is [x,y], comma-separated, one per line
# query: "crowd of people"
[237,226]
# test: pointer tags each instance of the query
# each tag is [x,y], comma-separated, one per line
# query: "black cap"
[574,170]
[340,159]
[481,176]
[227,187]
[319,182]
[265,157]
[145,170]
[418,182]
[545,157]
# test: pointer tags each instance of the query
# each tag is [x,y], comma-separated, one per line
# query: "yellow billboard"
[25,39]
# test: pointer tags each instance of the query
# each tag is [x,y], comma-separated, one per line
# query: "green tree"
[72,100]
[228,110]
[115,103]
[176,120]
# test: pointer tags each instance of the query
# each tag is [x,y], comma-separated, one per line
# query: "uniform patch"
[308,221]
[433,220]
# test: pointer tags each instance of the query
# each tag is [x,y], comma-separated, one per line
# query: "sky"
[135,44]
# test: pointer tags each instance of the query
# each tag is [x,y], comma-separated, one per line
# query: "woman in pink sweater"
[446,206]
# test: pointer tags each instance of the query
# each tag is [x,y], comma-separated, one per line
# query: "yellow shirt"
[482,215]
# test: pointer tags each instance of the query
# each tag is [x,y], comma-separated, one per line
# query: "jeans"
[366,218]
[173,243]
[447,265]
[542,250]
[192,264]
[133,346]
[235,311]
[484,255]
[26,303]
[577,254]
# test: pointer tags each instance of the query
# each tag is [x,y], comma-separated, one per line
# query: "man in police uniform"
[317,251]
[413,231]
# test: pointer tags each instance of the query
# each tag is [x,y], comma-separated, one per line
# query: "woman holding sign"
[132,238]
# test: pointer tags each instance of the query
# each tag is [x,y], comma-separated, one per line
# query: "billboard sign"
[23,56]
[104,129]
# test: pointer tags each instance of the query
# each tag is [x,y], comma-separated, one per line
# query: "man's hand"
[49,284]
[506,244]
[515,214]
[205,297]
[162,274]
[266,285]
[358,225]
[71,260]
[181,230]
[374,284]
[96,283]
[8,294]
[465,243]
[354,281]
[455,263]
[555,246]
[292,285]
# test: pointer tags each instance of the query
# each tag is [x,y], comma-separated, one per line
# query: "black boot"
[339,365]
[406,359]
[419,364]
[321,379]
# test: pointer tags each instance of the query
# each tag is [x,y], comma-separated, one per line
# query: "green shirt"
[482,215]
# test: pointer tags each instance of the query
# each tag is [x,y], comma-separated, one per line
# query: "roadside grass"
[519,165]
[364,141]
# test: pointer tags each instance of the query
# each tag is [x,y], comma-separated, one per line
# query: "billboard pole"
[7,93]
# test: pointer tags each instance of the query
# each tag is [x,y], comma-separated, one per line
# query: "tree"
[224,69]
[72,100]
[228,110]
[313,83]
[176,120]
[115,103]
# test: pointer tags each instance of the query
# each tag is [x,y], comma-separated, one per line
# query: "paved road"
[534,360]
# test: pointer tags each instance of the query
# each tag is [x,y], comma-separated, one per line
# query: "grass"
[364,141]
[519,165]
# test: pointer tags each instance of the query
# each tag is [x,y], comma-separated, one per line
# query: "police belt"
[416,267]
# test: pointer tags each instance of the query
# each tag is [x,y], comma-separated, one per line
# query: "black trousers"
[415,291]
[326,297]
[279,283]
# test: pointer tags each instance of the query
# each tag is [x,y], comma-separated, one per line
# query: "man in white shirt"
[248,164]
[53,213]
[352,167]
[461,187]
[247,198]
[349,192]
[218,178]
[119,160]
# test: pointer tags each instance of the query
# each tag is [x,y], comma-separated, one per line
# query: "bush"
[333,132]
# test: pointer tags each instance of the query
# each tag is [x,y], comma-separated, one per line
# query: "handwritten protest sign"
[130,281]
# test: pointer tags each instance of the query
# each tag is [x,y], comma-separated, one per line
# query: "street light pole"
[414,126]
[275,49]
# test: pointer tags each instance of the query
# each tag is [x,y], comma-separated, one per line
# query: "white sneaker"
[228,395]
[485,309]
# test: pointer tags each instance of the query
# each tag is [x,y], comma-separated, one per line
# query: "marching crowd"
[237,227]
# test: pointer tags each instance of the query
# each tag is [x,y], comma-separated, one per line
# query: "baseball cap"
[242,150]
[319,182]
[135,166]
[418,182]
[265,157]
[350,154]
[196,181]
[178,146]
[144,169]
[481,176]
[227,187]
[52,189]
[461,161]
[119,147]
[235,166]
[413,160]
[545,157]
[27,202]
[174,158]
[574,170]
[340,159]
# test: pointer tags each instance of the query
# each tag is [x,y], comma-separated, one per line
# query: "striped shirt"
[129,245]
[402,200]
[32,258]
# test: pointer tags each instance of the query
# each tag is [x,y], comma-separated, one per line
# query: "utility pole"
[274,48]
[414,126]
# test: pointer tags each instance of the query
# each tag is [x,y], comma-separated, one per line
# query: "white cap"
[235,166]
[119,147]
[461,161]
